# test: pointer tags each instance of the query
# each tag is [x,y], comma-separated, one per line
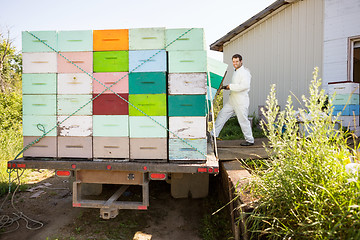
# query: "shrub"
[10,129]
[305,192]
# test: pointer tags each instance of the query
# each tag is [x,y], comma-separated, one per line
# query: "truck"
[120,107]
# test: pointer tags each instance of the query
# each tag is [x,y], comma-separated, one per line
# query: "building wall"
[281,49]
[341,21]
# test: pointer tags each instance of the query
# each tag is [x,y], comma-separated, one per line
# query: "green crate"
[111,61]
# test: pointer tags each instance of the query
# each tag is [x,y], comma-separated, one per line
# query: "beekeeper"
[238,101]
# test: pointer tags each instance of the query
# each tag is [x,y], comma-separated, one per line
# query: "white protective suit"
[238,103]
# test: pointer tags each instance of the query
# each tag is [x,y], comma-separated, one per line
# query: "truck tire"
[192,185]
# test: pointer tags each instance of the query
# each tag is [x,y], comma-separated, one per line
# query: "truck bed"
[211,164]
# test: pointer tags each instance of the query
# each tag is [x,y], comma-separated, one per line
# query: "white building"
[283,43]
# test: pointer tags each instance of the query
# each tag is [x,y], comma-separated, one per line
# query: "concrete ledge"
[234,177]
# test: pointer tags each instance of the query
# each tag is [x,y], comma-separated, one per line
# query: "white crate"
[75,126]
[187,83]
[344,88]
[45,62]
[187,127]
[74,83]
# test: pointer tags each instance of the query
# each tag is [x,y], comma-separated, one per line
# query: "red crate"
[110,104]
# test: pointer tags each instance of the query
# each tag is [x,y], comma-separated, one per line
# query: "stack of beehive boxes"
[186,95]
[40,94]
[148,140]
[110,112]
[345,99]
[164,86]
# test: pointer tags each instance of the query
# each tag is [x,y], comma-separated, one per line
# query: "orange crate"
[111,40]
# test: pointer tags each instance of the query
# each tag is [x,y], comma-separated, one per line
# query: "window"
[354,60]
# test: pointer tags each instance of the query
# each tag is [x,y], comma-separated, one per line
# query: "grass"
[232,130]
[215,226]
[304,191]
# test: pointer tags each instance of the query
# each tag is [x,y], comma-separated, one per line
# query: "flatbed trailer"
[88,177]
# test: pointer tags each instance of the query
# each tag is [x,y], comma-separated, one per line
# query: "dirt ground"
[49,201]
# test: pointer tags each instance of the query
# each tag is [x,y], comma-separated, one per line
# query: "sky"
[216,17]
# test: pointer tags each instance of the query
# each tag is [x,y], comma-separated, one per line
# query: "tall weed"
[305,192]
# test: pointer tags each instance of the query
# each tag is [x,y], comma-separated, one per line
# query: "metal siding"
[282,49]
[341,21]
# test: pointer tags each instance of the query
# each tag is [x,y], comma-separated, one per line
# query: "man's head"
[237,61]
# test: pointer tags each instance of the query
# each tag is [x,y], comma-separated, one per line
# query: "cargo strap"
[106,88]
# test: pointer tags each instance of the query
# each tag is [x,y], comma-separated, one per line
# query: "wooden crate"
[148,148]
[30,125]
[187,127]
[39,83]
[187,83]
[32,44]
[111,61]
[39,62]
[151,104]
[111,125]
[344,88]
[39,105]
[75,147]
[111,40]
[146,38]
[193,40]
[147,61]
[180,151]
[75,41]
[144,127]
[46,147]
[67,104]
[186,105]
[147,82]
[75,126]
[111,104]
[111,147]
[108,79]
[74,83]
[187,61]
[342,99]
[83,60]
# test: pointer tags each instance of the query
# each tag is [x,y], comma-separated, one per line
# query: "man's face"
[236,63]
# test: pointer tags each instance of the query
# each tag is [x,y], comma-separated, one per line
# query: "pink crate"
[109,78]
[84,60]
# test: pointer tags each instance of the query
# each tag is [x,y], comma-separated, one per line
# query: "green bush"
[305,192]
[10,129]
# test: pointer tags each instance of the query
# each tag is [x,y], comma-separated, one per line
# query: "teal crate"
[146,38]
[75,41]
[32,44]
[144,127]
[111,61]
[192,40]
[186,105]
[110,125]
[39,105]
[32,125]
[345,99]
[68,104]
[187,61]
[215,79]
[217,71]
[147,82]
[39,83]
[179,150]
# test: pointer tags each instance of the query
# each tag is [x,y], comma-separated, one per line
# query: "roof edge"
[218,45]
